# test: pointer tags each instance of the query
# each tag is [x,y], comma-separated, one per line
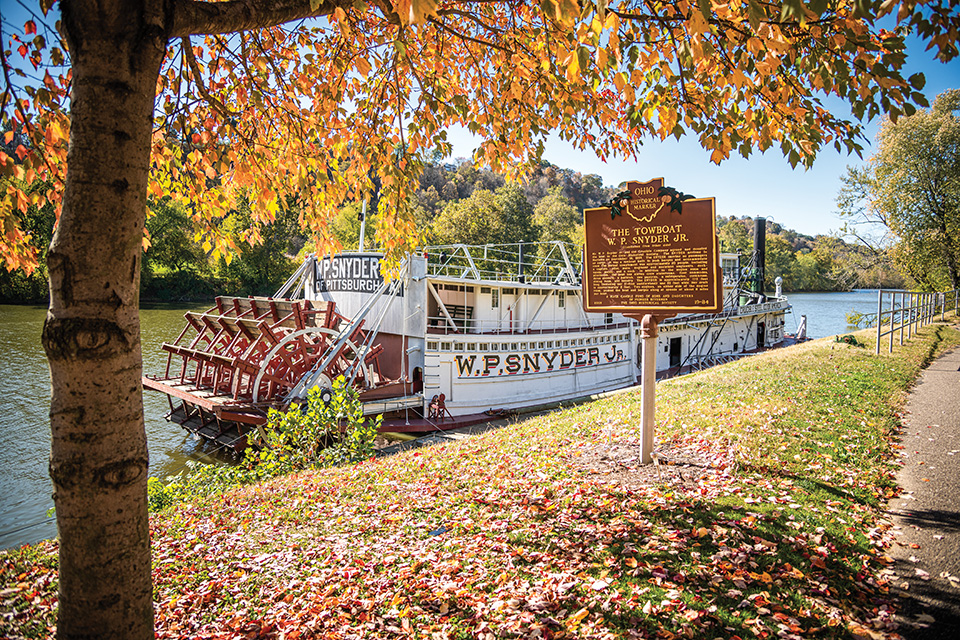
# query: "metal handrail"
[908,311]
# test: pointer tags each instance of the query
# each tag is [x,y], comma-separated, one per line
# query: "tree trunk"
[98,461]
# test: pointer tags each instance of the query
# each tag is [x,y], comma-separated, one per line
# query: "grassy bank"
[767,525]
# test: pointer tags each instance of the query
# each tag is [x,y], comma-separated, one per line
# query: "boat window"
[494,347]
[483,347]
[561,300]
[608,318]
[432,346]
[539,345]
[458,346]
[549,344]
[504,347]
[508,292]
[471,346]
[444,346]
[495,298]
[484,289]
[469,289]
[523,346]
[513,346]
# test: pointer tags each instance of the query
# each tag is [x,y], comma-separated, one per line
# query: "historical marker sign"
[652,258]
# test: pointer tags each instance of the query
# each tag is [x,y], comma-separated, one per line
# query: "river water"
[25,425]
[826,312]
[25,403]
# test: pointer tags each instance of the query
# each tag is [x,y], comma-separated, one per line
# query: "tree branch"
[198,76]
[191,17]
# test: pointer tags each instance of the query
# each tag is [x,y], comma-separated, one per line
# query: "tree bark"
[98,460]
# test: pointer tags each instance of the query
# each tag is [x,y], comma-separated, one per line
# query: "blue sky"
[764,185]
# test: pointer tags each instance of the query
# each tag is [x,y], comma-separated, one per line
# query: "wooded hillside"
[456,202]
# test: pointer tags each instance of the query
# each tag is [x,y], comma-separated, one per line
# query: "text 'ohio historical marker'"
[651,255]
[652,258]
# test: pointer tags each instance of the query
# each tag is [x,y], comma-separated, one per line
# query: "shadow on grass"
[716,569]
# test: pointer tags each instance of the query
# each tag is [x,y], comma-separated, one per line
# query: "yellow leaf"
[363,66]
[573,67]
[577,618]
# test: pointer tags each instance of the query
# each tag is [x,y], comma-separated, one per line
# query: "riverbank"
[764,517]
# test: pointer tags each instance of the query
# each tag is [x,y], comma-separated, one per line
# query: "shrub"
[318,433]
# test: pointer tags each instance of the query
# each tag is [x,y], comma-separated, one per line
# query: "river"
[25,403]
[827,311]
[25,425]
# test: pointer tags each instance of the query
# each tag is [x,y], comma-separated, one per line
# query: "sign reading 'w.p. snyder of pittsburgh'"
[349,272]
[654,250]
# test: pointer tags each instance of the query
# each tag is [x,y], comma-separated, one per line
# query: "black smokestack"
[760,251]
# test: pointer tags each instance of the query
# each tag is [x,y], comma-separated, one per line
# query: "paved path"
[927,514]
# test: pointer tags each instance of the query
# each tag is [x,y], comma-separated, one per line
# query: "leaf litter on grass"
[762,519]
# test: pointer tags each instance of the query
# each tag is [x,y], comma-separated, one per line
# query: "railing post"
[903,301]
[893,316]
[879,317]
[910,318]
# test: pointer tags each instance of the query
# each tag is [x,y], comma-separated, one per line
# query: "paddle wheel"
[235,361]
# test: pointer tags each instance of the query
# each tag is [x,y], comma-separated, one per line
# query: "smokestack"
[760,251]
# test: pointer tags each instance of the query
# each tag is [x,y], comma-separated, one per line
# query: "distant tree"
[266,251]
[735,236]
[171,245]
[910,190]
[345,227]
[487,217]
[779,263]
[557,218]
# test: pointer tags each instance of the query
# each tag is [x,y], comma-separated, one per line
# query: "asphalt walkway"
[927,514]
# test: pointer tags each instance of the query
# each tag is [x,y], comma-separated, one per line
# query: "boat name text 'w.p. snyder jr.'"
[493,364]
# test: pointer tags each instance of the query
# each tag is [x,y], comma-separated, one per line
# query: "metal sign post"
[650,254]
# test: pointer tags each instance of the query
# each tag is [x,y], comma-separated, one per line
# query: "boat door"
[446,380]
[675,352]
[761,335]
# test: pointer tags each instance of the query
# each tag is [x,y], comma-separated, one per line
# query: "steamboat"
[462,333]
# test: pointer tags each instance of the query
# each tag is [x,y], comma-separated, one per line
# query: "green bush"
[314,434]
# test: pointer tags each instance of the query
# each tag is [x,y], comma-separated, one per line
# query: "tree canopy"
[910,189]
[373,88]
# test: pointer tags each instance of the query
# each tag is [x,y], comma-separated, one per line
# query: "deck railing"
[440,325]
[905,312]
[519,263]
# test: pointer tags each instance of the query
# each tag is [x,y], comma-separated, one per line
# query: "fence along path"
[904,312]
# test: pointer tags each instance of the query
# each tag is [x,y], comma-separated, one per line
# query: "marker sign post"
[651,256]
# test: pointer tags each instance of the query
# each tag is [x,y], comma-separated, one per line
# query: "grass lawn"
[548,528]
